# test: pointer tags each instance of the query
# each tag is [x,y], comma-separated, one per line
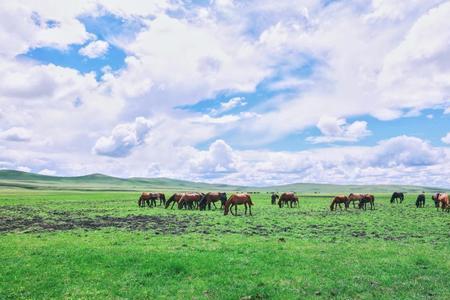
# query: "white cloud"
[446,139]
[228,105]
[123,138]
[94,49]
[16,134]
[337,130]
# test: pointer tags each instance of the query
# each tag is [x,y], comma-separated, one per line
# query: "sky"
[251,92]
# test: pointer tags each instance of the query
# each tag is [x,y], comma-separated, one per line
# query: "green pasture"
[101,245]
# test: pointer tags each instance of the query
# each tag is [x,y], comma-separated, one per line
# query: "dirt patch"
[24,219]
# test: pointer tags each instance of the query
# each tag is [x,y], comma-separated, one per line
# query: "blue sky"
[244,92]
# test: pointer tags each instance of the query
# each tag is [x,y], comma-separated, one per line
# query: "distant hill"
[11,179]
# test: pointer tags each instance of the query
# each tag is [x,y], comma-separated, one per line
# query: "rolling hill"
[11,179]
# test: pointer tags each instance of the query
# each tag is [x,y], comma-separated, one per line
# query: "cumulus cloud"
[16,134]
[123,138]
[218,159]
[337,130]
[446,139]
[406,151]
[94,49]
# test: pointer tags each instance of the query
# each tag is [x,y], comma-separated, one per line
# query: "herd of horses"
[203,201]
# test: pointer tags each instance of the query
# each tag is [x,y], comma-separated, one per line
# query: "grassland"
[100,245]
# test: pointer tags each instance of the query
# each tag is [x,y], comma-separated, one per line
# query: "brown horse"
[367,198]
[212,197]
[150,199]
[355,198]
[235,200]
[338,200]
[286,198]
[175,198]
[444,202]
[189,200]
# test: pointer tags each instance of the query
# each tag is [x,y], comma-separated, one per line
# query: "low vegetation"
[66,244]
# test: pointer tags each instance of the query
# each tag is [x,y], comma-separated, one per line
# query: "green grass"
[94,245]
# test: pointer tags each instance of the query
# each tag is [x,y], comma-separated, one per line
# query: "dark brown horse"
[175,198]
[396,196]
[274,198]
[338,200]
[367,198]
[212,198]
[189,200]
[235,200]
[288,198]
[420,201]
[435,198]
[355,198]
[150,199]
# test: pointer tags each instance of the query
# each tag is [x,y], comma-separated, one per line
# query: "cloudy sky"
[253,92]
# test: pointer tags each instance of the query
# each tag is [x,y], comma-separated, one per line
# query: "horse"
[175,198]
[286,198]
[355,198]
[444,202]
[162,199]
[149,199]
[396,196]
[367,198]
[338,200]
[274,198]
[189,200]
[435,198]
[235,200]
[420,201]
[212,197]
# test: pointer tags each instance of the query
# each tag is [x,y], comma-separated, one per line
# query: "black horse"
[420,202]
[397,196]
[274,198]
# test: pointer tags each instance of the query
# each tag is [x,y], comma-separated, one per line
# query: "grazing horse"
[367,198]
[212,197]
[435,198]
[354,198]
[149,199]
[397,196]
[175,198]
[235,200]
[420,201]
[189,200]
[338,200]
[274,198]
[444,202]
[286,198]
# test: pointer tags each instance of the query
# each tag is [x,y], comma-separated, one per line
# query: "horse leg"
[245,205]
[235,209]
[214,204]
[250,209]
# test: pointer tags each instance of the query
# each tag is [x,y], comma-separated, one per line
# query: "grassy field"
[94,245]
